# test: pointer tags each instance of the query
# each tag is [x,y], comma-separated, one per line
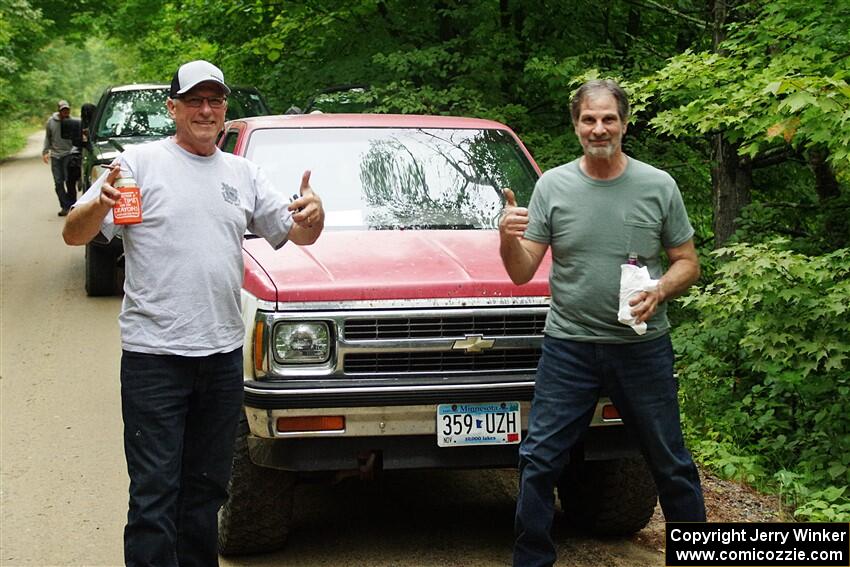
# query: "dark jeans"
[180,417]
[66,189]
[639,379]
[74,173]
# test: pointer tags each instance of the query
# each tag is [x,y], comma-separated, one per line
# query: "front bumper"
[322,454]
[305,394]
[398,423]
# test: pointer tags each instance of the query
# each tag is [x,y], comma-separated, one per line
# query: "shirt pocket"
[643,238]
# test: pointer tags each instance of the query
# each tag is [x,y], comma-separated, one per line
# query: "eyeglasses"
[198,101]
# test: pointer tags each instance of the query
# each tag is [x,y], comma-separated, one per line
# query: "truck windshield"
[398,178]
[242,102]
[142,112]
[135,113]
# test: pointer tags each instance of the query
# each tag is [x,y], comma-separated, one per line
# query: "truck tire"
[608,497]
[258,512]
[101,271]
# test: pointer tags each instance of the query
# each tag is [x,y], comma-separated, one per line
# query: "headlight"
[301,342]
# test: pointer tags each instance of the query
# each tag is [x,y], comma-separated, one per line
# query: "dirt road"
[63,482]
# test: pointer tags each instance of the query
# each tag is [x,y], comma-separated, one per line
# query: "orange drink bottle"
[128,209]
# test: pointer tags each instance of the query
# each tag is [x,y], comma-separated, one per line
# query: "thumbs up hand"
[514,219]
[109,195]
[307,208]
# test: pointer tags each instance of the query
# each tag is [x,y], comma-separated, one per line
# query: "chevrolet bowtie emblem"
[473,343]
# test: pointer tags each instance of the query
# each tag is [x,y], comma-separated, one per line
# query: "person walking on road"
[597,213]
[58,152]
[181,326]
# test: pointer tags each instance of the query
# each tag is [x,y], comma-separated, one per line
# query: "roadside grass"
[14,136]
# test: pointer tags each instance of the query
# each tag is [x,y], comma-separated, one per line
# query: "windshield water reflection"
[396,178]
[135,113]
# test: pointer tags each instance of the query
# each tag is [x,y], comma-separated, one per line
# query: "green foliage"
[67,19]
[814,505]
[765,366]
[811,227]
[14,136]
[785,204]
[21,32]
[780,79]
[75,72]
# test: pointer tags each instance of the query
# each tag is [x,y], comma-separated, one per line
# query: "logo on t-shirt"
[230,194]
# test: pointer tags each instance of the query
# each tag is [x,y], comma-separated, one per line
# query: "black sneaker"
[63,213]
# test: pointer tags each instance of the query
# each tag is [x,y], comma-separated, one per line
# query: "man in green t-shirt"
[596,213]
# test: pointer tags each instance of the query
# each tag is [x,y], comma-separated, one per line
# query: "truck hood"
[385,265]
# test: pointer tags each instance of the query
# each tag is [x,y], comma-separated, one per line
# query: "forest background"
[745,103]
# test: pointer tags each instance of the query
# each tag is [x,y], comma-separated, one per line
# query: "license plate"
[495,423]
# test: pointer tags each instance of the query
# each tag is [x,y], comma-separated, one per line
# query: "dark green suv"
[126,116]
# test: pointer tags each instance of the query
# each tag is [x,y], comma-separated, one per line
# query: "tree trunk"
[826,184]
[731,179]
[835,223]
[633,30]
[511,23]
[730,183]
[718,34]
[445,26]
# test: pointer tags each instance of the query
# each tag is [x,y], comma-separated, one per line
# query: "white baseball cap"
[193,73]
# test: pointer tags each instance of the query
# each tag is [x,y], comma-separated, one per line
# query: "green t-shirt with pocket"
[591,227]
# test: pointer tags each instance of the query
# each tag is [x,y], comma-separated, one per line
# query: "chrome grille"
[450,338]
[444,326]
[446,361]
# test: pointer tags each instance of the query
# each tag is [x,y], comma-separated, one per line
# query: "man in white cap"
[57,152]
[181,326]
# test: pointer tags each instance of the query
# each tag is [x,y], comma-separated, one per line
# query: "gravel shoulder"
[725,501]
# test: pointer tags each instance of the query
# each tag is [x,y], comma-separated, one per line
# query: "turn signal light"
[609,412]
[259,344]
[311,423]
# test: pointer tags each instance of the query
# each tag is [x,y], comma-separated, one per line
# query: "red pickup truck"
[397,341]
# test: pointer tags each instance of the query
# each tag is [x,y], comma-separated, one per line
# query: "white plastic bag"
[633,280]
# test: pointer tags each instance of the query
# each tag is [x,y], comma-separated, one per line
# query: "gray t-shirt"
[183,262]
[592,226]
[53,140]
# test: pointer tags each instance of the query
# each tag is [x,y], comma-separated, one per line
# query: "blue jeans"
[66,194]
[180,418]
[638,377]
